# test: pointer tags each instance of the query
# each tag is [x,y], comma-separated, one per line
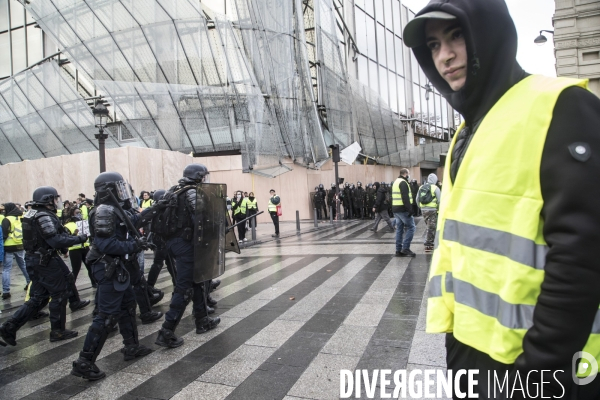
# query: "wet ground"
[294,312]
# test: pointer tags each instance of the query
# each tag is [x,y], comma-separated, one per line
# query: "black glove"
[82,238]
[143,244]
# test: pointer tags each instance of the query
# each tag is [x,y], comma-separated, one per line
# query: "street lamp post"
[101,117]
[541,39]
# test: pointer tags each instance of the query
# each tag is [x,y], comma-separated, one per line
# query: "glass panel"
[416,101]
[363,70]
[34,44]
[3,15]
[379,11]
[361,31]
[393,92]
[401,96]
[422,77]
[414,68]
[16,14]
[389,36]
[5,59]
[30,19]
[371,39]
[381,45]
[387,5]
[399,52]
[373,82]
[369,7]
[383,83]
[444,113]
[360,3]
[396,16]
[217,6]
[18,48]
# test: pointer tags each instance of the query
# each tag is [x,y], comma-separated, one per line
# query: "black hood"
[491,39]
[10,209]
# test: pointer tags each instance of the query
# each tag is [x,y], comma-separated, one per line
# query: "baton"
[244,220]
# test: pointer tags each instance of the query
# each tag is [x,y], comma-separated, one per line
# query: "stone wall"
[150,169]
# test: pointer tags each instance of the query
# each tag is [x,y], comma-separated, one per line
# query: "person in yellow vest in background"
[514,279]
[12,233]
[274,201]
[252,208]
[78,252]
[428,198]
[146,201]
[403,208]
[84,206]
[239,207]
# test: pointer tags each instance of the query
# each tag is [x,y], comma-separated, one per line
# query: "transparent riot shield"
[210,231]
[231,242]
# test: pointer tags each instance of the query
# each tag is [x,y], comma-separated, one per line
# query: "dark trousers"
[332,210]
[183,253]
[462,356]
[77,257]
[161,256]
[110,302]
[275,219]
[46,282]
[241,227]
[252,211]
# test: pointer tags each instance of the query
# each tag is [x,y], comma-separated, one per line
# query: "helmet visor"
[123,191]
[58,204]
[206,178]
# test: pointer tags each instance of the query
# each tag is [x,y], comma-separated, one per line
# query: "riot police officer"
[113,256]
[161,254]
[347,201]
[331,201]
[359,200]
[43,235]
[181,248]
[320,197]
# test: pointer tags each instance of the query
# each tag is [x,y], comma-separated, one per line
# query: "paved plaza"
[294,312]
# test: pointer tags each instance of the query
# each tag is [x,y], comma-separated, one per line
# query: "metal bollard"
[253,224]
[331,215]
[315,215]
[298,221]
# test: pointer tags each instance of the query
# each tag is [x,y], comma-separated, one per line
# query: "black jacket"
[569,298]
[380,203]
[10,210]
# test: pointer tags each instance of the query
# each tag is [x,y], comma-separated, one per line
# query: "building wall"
[150,169]
[577,40]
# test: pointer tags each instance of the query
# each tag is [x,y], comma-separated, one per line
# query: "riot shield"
[210,231]
[231,242]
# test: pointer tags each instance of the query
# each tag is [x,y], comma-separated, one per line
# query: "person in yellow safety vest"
[239,207]
[403,208]
[85,210]
[146,200]
[428,198]
[274,201]
[12,233]
[78,252]
[252,208]
[514,276]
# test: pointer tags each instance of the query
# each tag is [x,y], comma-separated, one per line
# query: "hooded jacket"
[569,298]
[10,209]
[432,180]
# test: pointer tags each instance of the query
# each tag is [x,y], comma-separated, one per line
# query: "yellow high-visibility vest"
[242,206]
[435,202]
[397,196]
[252,204]
[147,203]
[84,212]
[488,265]
[272,207]
[72,226]
[15,234]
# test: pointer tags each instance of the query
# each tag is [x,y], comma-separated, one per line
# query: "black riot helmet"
[333,185]
[359,184]
[114,182]
[196,172]
[321,186]
[158,194]
[47,196]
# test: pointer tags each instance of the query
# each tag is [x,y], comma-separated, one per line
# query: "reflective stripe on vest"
[15,234]
[487,270]
[397,195]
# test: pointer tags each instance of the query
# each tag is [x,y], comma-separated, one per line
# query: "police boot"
[78,305]
[58,335]
[75,303]
[85,367]
[166,337]
[8,332]
[210,301]
[205,324]
[155,295]
[135,350]
[214,284]
[150,316]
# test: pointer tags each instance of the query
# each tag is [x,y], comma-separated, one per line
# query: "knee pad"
[186,293]
[110,320]
[131,308]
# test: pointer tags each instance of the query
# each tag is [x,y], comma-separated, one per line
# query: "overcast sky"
[530,17]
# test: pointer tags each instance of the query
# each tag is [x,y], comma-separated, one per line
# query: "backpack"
[170,216]
[424,195]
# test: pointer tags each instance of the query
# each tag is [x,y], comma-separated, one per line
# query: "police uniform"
[113,259]
[43,235]
[181,248]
